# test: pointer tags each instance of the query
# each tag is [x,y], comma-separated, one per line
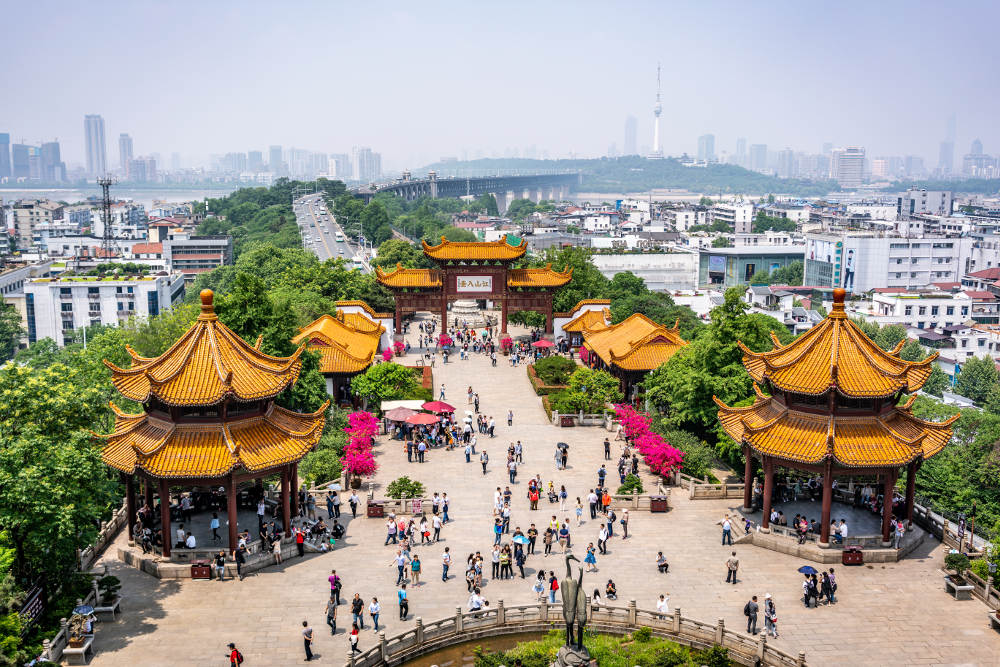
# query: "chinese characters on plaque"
[474,283]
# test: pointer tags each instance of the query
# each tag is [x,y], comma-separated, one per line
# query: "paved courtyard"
[891,614]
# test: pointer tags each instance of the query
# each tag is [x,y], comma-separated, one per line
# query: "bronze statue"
[574,604]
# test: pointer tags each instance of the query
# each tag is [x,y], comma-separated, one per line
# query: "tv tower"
[657,154]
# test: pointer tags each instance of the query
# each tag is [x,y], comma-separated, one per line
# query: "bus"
[340,237]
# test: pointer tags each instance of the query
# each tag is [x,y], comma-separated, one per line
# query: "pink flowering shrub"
[386,354]
[359,459]
[656,452]
[584,354]
[399,347]
[444,340]
[506,343]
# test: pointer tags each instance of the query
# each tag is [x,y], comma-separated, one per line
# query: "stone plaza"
[886,614]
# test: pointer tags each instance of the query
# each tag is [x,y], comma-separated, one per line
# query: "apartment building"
[738,216]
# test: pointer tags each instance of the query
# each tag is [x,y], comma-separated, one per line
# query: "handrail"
[538,617]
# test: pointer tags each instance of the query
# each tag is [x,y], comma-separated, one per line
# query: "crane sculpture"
[574,604]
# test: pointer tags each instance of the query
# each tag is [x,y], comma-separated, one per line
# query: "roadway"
[319,229]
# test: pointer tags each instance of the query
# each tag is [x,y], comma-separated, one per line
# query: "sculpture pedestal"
[570,656]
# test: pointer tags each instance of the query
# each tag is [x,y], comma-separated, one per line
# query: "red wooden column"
[286,517]
[293,481]
[231,511]
[165,517]
[765,521]
[824,528]
[747,480]
[887,485]
[911,480]
[150,492]
[444,309]
[503,314]
[130,504]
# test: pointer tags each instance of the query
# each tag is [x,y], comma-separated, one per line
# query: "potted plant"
[506,344]
[956,563]
[108,587]
[399,347]
[78,624]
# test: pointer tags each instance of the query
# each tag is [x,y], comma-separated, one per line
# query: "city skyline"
[250,99]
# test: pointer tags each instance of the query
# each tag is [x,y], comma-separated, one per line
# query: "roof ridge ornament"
[207,305]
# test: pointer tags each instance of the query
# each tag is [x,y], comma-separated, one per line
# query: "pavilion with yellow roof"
[209,420]
[630,349]
[828,403]
[474,270]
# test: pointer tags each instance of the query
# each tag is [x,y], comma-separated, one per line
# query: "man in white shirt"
[436,523]
[592,501]
[843,531]
[663,606]
[475,601]
[181,534]
[190,543]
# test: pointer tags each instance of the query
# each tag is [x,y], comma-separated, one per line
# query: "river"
[141,195]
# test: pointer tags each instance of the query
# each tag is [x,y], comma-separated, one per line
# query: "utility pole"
[109,246]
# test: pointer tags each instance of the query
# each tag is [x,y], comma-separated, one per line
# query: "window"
[965,342]
[922,310]
[965,310]
[131,305]
[93,290]
[899,261]
[920,325]
[66,290]
[934,310]
[908,310]
[66,307]
[982,342]
[67,325]
[121,306]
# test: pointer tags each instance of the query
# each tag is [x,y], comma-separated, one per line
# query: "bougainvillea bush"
[444,340]
[506,343]
[359,459]
[655,450]
[386,354]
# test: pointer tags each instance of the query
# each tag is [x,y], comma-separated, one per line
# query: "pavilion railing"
[542,616]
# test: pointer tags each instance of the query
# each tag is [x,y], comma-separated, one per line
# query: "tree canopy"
[977,379]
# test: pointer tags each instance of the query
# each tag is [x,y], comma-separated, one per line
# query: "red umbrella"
[422,418]
[438,406]
[399,414]
[542,343]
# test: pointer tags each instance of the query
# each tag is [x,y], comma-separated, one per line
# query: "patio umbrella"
[399,414]
[520,539]
[83,610]
[562,445]
[422,418]
[542,343]
[438,406]
[808,569]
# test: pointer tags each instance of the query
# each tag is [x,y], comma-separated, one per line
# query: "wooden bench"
[80,655]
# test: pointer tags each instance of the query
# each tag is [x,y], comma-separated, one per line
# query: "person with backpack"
[750,610]
[553,587]
[770,616]
[235,657]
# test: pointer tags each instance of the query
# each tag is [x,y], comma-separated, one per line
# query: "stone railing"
[579,419]
[52,649]
[541,617]
[705,490]
[983,589]
[109,529]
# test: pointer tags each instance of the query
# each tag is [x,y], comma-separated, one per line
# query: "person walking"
[510,418]
[307,639]
[404,603]
[553,587]
[602,540]
[399,560]
[590,559]
[441,394]
[353,501]
[607,449]
[624,522]
[484,458]
[532,536]
[354,639]
[833,586]
[732,565]
[329,505]
[331,615]
[750,611]
[770,616]
[601,475]
[335,585]
[240,556]
[592,500]
[445,563]
[357,611]
[235,657]
[579,512]
[374,609]
[415,570]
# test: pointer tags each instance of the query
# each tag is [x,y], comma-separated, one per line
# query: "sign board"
[33,606]
[474,283]
[417,507]
[717,263]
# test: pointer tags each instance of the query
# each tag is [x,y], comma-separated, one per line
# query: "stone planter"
[958,587]
[355,482]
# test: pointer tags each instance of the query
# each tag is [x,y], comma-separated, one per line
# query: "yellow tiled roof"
[162,448]
[346,343]
[635,344]
[208,363]
[545,277]
[895,438]
[589,320]
[364,306]
[401,277]
[837,354]
[475,250]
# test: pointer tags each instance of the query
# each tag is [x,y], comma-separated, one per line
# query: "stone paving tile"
[885,615]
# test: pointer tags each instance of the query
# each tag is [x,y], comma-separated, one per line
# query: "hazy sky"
[420,80]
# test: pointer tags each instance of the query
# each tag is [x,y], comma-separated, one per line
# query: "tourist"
[300,541]
[390,529]
[353,501]
[624,522]
[592,500]
[750,611]
[611,522]
[307,639]
[329,505]
[335,585]
[595,598]
[190,542]
[663,605]
[331,614]
[563,495]
[826,590]
[399,560]
[661,563]
[579,512]
[590,559]
[519,559]
[512,470]
[404,603]
[732,566]
[607,449]
[510,418]
[770,616]
[220,565]
[445,506]
[311,507]
[807,591]
[532,536]
[602,539]
[214,525]
[436,523]
[240,556]
[553,587]
[605,501]
[539,586]
[727,530]
[357,611]
[445,563]
[492,426]
[601,474]
[484,459]
[547,539]
[441,395]
[842,533]
[354,639]
[475,600]
[415,569]
[235,657]
[611,591]
[898,534]
[374,609]
[833,586]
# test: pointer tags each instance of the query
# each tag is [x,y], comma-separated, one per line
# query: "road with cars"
[320,232]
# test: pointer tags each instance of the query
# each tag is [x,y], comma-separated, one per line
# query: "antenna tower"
[109,245]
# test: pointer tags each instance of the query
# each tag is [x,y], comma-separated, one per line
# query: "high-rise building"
[786,164]
[741,152]
[367,164]
[880,168]
[913,166]
[758,157]
[274,159]
[706,148]
[657,152]
[93,128]
[946,157]
[976,148]
[255,161]
[631,135]
[175,161]
[4,156]
[53,168]
[339,166]
[849,166]
[136,170]
[19,160]
[124,152]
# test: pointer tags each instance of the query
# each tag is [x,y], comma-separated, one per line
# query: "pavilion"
[474,270]
[586,315]
[346,344]
[831,408]
[631,349]
[209,420]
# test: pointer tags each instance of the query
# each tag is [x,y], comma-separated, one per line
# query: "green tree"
[764,222]
[520,209]
[791,274]
[375,223]
[587,283]
[384,382]
[589,390]
[402,252]
[10,330]
[937,382]
[977,378]
[720,242]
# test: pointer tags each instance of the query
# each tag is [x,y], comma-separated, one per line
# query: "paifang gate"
[474,270]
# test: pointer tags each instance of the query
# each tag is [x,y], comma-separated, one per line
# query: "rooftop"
[503,249]
[635,344]
[346,343]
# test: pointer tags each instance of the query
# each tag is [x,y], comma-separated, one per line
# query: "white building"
[57,306]
[938,202]
[738,216]
[662,271]
[683,219]
[917,309]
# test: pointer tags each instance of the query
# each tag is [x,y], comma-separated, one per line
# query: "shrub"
[404,487]
[631,483]
[109,587]
[554,370]
[657,452]
[980,568]
[956,562]
[643,634]
[699,457]
[539,385]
